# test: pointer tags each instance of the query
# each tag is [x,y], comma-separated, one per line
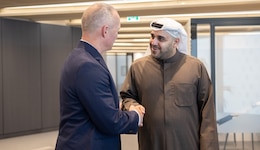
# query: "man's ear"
[104,30]
[177,40]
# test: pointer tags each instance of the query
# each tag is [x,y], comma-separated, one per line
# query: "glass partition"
[237,51]
[230,50]
[203,43]
[118,65]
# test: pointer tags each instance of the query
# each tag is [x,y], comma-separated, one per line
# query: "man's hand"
[140,111]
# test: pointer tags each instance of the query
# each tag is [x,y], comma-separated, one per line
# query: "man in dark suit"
[89,105]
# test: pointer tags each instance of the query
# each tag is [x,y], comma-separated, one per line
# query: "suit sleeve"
[98,95]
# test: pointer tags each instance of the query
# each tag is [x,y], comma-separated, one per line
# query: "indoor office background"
[225,35]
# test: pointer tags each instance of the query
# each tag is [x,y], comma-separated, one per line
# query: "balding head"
[97,15]
[100,26]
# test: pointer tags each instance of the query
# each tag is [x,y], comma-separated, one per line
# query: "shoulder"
[193,60]
[142,60]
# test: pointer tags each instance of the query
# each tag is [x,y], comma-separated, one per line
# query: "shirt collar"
[175,58]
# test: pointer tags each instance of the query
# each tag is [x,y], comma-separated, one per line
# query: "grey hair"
[96,16]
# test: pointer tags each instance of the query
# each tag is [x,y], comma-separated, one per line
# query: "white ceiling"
[133,36]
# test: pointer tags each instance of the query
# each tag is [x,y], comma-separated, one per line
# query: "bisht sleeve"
[208,125]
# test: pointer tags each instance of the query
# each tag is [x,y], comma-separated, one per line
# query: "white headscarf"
[174,28]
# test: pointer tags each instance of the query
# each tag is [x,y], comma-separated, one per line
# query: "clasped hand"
[140,110]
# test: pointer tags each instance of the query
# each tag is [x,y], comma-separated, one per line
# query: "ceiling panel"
[133,36]
[16,3]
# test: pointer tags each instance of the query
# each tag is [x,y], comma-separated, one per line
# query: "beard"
[162,54]
[155,49]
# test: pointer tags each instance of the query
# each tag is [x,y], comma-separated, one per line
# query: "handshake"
[140,111]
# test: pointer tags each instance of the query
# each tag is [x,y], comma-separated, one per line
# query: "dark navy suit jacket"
[89,104]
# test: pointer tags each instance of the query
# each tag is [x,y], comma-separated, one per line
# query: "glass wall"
[203,44]
[236,66]
[118,65]
[230,49]
[238,69]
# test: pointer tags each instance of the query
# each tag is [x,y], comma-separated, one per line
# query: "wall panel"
[1,81]
[21,76]
[56,43]
[76,36]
